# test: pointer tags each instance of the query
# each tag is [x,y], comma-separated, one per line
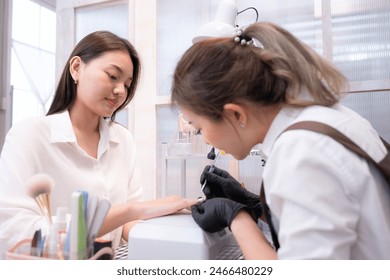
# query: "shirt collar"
[62,130]
[107,131]
[283,119]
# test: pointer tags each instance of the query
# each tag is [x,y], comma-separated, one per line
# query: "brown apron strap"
[387,145]
[383,165]
[330,131]
[267,218]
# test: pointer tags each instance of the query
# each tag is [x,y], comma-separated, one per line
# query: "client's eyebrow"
[119,70]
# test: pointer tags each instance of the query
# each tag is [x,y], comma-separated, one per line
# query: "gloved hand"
[215,214]
[221,184]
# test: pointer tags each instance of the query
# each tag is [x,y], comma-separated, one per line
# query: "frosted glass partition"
[167,123]
[177,23]
[166,128]
[302,18]
[375,107]
[361,38]
[113,18]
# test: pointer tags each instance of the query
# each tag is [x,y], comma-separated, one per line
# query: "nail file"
[41,246]
[100,215]
[82,231]
[74,225]
[91,210]
[67,243]
[85,202]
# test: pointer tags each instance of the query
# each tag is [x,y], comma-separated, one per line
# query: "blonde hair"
[300,64]
[218,71]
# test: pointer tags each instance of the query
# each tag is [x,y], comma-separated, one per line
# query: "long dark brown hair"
[214,72]
[90,47]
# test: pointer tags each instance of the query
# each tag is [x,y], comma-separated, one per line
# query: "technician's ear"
[74,67]
[236,113]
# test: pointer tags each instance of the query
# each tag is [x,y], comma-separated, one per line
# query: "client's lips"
[112,102]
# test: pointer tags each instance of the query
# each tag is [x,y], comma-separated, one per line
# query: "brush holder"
[22,249]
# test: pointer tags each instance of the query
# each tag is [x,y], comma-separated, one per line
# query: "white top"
[326,202]
[48,144]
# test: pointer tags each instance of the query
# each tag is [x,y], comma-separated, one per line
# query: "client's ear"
[74,67]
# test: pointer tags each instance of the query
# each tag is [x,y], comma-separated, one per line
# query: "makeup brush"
[39,187]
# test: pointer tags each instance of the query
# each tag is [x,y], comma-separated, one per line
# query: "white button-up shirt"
[326,202]
[48,144]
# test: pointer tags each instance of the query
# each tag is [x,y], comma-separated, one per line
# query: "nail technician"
[80,145]
[326,202]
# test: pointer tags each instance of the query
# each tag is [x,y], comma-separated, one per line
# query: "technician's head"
[258,77]
[218,71]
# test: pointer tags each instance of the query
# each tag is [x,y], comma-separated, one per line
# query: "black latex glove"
[221,184]
[215,214]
